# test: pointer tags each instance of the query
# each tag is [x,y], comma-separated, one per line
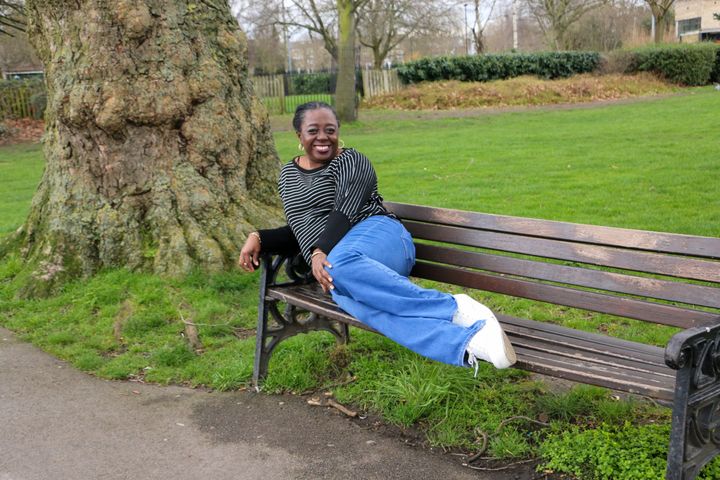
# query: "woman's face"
[319,135]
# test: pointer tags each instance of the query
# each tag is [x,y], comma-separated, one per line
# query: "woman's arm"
[355,182]
[275,240]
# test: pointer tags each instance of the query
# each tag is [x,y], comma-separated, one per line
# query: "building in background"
[695,20]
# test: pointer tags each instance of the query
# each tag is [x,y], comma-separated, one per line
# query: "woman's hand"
[319,261]
[250,253]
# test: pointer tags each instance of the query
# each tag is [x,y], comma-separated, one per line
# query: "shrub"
[628,452]
[307,83]
[694,64]
[715,75]
[483,68]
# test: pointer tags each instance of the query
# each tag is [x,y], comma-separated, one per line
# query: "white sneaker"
[492,345]
[468,312]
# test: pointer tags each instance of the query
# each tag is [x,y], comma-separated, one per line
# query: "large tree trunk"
[159,156]
[345,92]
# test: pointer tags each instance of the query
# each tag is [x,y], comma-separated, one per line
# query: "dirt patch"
[335,446]
[24,130]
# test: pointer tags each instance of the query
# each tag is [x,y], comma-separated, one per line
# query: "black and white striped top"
[322,204]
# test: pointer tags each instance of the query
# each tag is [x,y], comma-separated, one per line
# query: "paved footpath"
[58,423]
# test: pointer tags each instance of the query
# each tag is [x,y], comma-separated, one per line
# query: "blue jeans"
[370,268]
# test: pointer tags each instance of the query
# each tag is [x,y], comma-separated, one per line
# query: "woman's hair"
[301,110]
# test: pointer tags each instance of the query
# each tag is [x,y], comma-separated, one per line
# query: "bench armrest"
[297,271]
[694,345]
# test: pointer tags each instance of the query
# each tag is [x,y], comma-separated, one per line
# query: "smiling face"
[319,136]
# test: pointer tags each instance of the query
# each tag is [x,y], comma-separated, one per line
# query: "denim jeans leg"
[369,269]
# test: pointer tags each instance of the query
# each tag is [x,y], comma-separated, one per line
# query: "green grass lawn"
[20,169]
[650,165]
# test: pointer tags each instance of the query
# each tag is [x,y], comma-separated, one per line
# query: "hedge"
[483,68]
[689,64]
[308,83]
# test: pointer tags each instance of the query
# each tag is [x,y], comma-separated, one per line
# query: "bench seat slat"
[590,373]
[587,341]
[598,279]
[597,302]
[674,266]
[542,348]
[563,350]
[708,247]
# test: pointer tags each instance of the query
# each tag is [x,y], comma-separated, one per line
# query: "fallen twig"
[331,402]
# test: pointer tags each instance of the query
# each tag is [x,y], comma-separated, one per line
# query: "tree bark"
[159,155]
[345,96]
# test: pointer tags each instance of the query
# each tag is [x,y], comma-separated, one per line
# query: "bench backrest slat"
[662,264]
[671,291]
[663,278]
[708,247]
[596,302]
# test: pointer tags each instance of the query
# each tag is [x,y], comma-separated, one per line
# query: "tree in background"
[609,27]
[265,50]
[16,52]
[556,17]
[662,11]
[479,25]
[158,155]
[12,17]
[498,36]
[346,89]
[384,24]
[318,17]
[336,24]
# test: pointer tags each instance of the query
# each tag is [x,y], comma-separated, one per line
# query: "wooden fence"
[16,99]
[271,89]
[378,82]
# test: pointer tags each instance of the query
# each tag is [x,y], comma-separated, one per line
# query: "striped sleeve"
[355,181]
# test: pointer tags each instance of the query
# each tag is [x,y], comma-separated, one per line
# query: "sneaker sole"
[509,351]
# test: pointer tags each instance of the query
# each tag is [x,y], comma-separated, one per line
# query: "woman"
[362,254]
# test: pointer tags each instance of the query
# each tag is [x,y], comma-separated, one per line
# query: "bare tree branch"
[555,17]
[661,11]
[384,24]
[12,17]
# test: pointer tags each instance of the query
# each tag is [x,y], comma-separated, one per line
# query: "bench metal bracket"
[292,320]
[695,436]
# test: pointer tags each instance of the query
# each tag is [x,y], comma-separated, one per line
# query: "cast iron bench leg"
[695,436]
[290,322]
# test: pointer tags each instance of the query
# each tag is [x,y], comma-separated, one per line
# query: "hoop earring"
[300,147]
[342,143]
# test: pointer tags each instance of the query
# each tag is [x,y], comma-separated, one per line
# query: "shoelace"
[473,362]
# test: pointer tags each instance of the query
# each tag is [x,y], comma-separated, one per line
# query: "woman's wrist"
[316,252]
[256,235]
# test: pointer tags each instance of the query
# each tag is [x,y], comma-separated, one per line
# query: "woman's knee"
[342,256]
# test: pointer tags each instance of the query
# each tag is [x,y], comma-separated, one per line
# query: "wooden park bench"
[659,278]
